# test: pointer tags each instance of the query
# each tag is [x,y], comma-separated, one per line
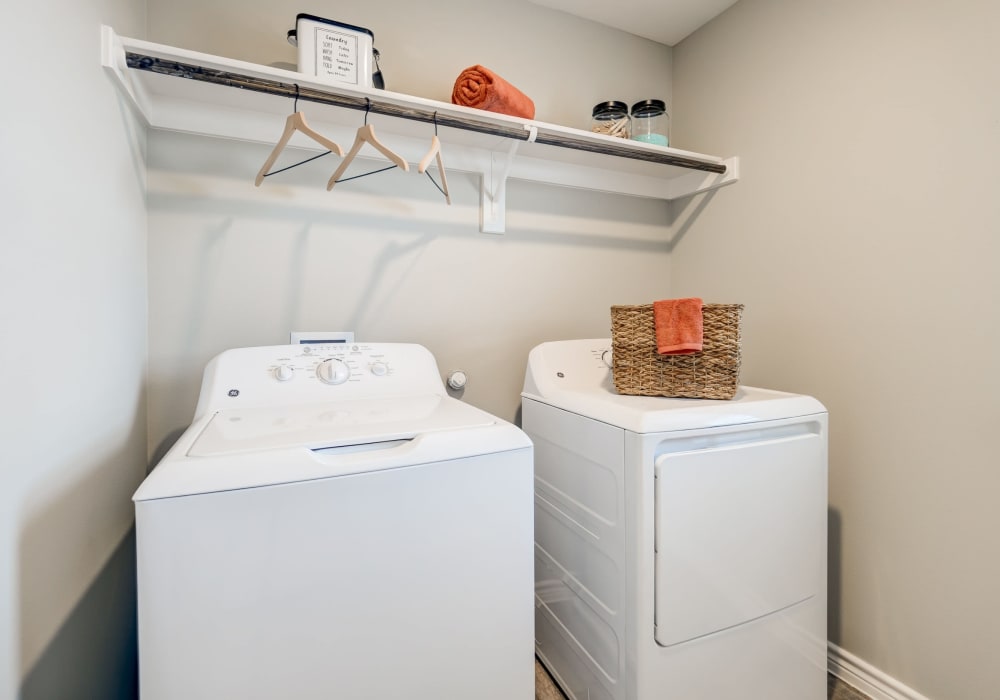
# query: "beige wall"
[863,240]
[234,265]
[73,349]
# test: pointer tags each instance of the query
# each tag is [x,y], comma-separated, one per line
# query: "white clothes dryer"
[680,544]
[334,525]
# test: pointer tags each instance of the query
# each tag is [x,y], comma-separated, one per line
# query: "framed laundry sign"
[332,50]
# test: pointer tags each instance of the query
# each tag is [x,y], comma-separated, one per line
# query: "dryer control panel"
[296,374]
[575,365]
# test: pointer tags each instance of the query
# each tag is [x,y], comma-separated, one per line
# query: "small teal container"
[650,122]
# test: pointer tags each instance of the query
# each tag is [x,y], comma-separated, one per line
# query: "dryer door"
[740,526]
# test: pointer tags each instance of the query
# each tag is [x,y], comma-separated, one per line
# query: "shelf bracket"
[493,188]
[113,60]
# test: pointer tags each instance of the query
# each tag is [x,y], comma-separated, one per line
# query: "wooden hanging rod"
[153,64]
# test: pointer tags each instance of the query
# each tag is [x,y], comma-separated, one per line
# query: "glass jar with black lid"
[611,118]
[650,122]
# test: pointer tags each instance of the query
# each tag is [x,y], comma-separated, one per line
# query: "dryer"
[680,544]
[334,525]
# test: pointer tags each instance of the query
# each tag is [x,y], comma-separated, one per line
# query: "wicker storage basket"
[639,370]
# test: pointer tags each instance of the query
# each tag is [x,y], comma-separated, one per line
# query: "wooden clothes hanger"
[295,122]
[435,152]
[366,134]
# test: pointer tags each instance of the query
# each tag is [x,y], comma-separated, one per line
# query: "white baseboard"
[866,678]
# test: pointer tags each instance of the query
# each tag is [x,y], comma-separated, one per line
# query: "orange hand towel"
[678,326]
[481,88]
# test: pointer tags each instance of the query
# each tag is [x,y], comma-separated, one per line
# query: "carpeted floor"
[545,689]
[838,690]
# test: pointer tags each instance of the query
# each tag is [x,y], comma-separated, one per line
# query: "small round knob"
[333,371]
[283,373]
[380,369]
[457,379]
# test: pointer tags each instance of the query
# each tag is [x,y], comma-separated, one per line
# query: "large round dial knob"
[333,371]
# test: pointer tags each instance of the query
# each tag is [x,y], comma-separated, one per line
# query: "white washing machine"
[334,525]
[680,544]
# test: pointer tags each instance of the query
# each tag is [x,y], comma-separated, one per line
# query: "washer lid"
[252,447]
[335,424]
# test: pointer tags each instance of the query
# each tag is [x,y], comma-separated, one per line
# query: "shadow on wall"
[547,215]
[76,575]
[834,559]
[683,213]
[94,655]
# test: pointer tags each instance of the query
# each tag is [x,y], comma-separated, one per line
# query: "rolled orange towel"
[678,326]
[481,88]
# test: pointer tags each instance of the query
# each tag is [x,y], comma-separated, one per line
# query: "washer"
[680,544]
[334,525]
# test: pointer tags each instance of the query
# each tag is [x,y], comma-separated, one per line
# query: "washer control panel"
[285,374]
[333,364]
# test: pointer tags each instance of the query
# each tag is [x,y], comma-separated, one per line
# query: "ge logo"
[234,392]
